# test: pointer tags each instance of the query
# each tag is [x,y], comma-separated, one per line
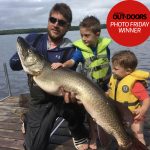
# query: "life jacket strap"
[95,57]
[131,104]
[99,67]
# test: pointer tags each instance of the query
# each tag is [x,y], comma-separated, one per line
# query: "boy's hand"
[56,65]
[139,113]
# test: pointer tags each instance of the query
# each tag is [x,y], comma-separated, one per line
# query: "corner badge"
[128,23]
[125,88]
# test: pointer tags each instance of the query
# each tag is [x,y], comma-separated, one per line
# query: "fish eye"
[29,50]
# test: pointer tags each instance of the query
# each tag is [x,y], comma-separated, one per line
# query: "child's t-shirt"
[140,91]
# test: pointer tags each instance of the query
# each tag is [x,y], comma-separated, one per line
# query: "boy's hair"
[125,59]
[92,23]
[64,10]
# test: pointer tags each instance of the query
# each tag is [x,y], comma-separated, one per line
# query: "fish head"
[31,61]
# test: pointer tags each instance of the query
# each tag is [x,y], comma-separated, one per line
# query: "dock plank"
[11,143]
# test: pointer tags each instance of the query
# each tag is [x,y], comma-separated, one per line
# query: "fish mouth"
[23,47]
[22,43]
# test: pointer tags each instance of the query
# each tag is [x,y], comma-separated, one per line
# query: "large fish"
[86,91]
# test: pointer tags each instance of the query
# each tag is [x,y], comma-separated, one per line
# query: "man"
[45,108]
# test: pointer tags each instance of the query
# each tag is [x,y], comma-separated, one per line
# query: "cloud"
[34,14]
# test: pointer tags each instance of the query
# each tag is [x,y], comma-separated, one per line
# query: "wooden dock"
[11,137]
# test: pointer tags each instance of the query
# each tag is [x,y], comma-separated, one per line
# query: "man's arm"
[15,63]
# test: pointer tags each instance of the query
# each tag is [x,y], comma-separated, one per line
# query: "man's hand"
[69,97]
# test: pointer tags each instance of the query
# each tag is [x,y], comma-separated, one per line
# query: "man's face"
[57,26]
[89,38]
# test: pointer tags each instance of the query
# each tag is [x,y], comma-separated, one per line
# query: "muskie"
[86,91]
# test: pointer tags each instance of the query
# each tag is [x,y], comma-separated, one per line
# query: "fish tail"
[134,145]
[137,145]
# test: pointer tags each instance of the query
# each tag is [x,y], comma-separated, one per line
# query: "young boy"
[127,85]
[93,52]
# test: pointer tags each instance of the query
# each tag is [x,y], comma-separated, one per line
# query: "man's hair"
[92,23]
[125,59]
[64,10]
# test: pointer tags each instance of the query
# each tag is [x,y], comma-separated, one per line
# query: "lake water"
[18,79]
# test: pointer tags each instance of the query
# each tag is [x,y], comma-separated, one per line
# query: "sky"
[16,14]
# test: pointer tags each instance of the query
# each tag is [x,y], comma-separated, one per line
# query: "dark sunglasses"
[60,22]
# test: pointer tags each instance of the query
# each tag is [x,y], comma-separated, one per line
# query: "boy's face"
[119,72]
[89,38]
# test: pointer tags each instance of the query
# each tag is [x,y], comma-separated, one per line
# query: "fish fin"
[124,114]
